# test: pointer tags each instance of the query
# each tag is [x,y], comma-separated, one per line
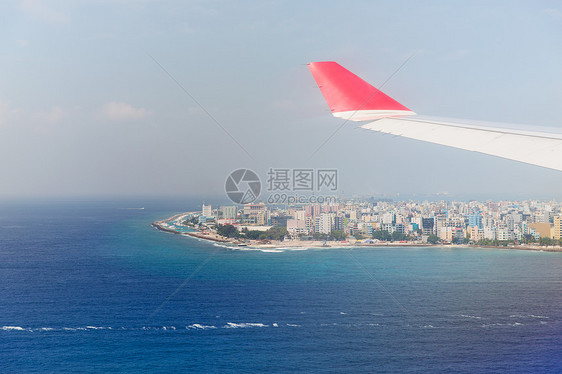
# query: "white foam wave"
[469,316]
[528,316]
[258,249]
[200,327]
[194,326]
[221,245]
[47,329]
[502,324]
[542,317]
[13,328]
[232,325]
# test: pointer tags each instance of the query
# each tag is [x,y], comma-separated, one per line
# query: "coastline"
[163,225]
[170,225]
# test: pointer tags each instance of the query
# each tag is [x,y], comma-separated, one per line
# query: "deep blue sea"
[90,286]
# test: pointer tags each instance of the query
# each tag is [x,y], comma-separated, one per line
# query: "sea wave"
[194,326]
[528,316]
[469,316]
[502,324]
[200,327]
[12,328]
[232,325]
[235,325]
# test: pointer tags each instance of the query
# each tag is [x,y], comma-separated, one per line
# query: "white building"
[490,233]
[296,227]
[207,211]
[323,223]
[228,212]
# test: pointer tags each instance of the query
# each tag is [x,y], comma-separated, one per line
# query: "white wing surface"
[531,147]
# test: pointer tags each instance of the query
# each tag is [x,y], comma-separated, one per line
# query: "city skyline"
[457,222]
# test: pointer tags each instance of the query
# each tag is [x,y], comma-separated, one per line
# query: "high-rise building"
[490,233]
[299,214]
[228,212]
[475,233]
[256,214]
[339,223]
[545,230]
[475,220]
[207,211]
[557,227]
[388,218]
[323,223]
[296,227]
[316,210]
[427,226]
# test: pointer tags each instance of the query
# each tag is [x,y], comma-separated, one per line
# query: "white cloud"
[7,113]
[22,42]
[55,115]
[122,111]
[40,9]
[554,13]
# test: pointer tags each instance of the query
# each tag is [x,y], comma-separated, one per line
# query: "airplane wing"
[351,98]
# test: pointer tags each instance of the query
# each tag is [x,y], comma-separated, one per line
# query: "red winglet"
[350,96]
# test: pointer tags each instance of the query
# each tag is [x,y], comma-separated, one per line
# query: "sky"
[135,98]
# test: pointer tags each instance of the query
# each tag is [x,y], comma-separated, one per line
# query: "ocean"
[90,286]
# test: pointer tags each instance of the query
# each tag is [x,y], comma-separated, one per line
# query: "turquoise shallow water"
[92,287]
